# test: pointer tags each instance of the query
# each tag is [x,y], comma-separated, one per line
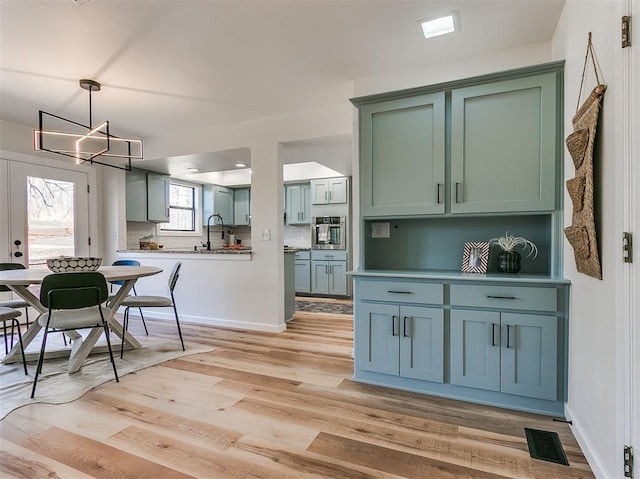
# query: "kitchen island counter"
[212,286]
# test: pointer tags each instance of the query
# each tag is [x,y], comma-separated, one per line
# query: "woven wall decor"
[582,232]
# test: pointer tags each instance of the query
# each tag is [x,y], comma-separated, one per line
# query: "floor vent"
[545,445]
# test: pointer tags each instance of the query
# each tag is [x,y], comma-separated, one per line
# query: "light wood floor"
[271,406]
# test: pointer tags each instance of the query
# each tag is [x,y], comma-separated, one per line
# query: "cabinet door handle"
[325,195]
[501,297]
[326,269]
[493,334]
[399,292]
[438,188]
[509,336]
[458,193]
[406,327]
[394,318]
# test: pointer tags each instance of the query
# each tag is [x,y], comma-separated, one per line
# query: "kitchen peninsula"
[211,285]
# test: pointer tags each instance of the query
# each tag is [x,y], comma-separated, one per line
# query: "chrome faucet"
[209,228]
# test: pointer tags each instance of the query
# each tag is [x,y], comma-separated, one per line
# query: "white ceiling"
[173,65]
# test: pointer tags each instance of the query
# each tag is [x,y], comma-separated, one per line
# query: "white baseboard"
[585,445]
[220,322]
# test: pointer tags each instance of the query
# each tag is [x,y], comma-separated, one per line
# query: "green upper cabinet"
[242,206]
[298,201]
[147,196]
[157,197]
[403,156]
[504,146]
[330,191]
[217,199]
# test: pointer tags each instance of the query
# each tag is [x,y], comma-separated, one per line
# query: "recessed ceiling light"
[193,170]
[241,165]
[440,25]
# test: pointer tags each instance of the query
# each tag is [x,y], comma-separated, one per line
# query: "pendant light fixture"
[94,144]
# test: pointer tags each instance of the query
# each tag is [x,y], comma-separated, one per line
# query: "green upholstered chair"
[154,302]
[74,301]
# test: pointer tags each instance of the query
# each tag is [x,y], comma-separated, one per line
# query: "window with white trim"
[184,210]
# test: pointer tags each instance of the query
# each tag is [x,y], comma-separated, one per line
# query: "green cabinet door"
[338,277]
[504,146]
[242,207]
[507,352]
[298,204]
[422,343]
[377,332]
[403,156]
[217,199]
[329,277]
[157,198]
[136,195]
[223,201]
[475,349]
[530,355]
[303,276]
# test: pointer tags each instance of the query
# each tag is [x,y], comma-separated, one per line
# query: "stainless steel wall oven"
[329,232]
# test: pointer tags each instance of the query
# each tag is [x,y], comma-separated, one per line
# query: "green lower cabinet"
[507,352]
[406,341]
[329,277]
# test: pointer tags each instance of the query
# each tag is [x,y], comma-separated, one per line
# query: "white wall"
[594,313]
[263,287]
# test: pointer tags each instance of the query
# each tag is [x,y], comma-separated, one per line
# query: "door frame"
[92,179]
[629,276]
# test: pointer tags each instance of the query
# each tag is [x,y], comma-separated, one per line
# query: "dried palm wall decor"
[582,232]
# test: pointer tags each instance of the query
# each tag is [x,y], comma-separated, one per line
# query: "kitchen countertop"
[227,250]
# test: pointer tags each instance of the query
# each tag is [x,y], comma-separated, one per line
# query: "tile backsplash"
[297,236]
[137,230]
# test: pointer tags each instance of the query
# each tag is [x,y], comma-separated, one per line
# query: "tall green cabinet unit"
[446,164]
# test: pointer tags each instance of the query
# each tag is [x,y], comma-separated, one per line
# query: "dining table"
[19,280]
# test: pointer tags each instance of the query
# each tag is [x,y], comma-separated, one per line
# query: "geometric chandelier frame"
[93,144]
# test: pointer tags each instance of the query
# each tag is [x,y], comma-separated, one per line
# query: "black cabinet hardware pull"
[493,334]
[508,336]
[438,186]
[501,297]
[399,292]
[458,192]
[393,325]
[407,331]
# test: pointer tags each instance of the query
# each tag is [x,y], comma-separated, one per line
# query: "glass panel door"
[48,213]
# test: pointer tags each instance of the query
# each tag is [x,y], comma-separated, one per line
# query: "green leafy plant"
[509,243]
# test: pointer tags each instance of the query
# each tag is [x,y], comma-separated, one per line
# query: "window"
[183,210]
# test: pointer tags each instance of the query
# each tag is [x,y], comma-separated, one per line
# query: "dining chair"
[10,314]
[128,262]
[73,301]
[154,302]
[13,304]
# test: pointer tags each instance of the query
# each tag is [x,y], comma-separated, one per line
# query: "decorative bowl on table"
[65,264]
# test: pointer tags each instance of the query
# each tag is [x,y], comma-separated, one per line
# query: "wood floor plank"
[96,459]
[17,462]
[197,432]
[272,406]
[391,460]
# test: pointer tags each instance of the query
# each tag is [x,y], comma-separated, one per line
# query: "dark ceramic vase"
[509,262]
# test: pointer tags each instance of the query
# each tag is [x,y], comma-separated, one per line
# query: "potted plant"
[508,258]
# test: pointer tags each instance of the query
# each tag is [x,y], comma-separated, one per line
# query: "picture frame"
[475,257]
